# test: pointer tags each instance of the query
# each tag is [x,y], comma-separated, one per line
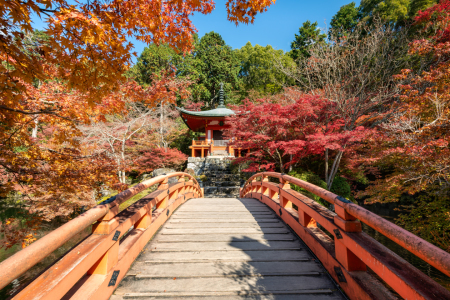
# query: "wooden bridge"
[265,245]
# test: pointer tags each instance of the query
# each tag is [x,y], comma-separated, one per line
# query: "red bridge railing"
[94,267]
[350,253]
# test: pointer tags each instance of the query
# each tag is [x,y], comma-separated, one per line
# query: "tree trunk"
[281,162]
[334,169]
[161,129]
[123,179]
[326,164]
[35,128]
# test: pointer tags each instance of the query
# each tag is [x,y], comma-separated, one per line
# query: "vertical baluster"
[347,223]
[284,202]
[163,186]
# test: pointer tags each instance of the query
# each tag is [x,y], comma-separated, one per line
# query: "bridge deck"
[226,248]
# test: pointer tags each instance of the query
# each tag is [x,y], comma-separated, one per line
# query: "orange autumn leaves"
[71,74]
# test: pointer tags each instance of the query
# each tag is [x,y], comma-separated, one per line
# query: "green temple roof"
[220,111]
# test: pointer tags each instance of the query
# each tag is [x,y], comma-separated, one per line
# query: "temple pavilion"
[211,123]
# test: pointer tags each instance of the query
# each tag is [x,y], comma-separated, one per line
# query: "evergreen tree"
[391,11]
[308,34]
[344,21]
[258,69]
[215,62]
[154,60]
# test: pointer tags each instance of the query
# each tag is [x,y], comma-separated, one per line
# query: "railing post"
[164,185]
[305,220]
[107,261]
[347,258]
[284,185]
[190,188]
[273,194]
[254,187]
[173,195]
[182,180]
[145,221]
[106,224]
[347,223]
[264,190]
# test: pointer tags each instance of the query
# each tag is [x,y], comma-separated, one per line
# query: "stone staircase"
[220,182]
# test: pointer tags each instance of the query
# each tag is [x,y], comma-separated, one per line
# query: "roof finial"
[221,97]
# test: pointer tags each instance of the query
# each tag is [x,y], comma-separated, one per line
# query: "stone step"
[224,184]
[221,189]
[222,195]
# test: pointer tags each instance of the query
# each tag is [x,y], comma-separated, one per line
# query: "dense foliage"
[362,109]
[70,119]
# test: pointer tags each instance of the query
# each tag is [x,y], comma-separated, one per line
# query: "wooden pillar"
[107,261]
[203,155]
[239,153]
[193,152]
[164,185]
[145,221]
[283,201]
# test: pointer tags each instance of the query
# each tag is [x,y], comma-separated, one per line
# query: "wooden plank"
[226,246]
[190,269]
[226,237]
[226,249]
[222,230]
[226,284]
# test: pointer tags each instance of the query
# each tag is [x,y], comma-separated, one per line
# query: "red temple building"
[211,123]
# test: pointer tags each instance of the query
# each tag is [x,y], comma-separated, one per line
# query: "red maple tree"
[280,135]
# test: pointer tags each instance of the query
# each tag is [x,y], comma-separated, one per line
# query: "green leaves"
[259,70]
[216,63]
[344,21]
[308,34]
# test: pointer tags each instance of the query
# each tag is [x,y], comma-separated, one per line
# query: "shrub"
[311,178]
[341,187]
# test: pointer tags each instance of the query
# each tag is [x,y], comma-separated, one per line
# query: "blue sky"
[276,27]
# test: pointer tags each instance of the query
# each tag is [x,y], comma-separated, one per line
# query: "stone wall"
[200,165]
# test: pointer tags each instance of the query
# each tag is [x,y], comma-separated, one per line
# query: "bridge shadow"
[275,264]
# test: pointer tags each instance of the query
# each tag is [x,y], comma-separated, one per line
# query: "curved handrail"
[25,259]
[431,254]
